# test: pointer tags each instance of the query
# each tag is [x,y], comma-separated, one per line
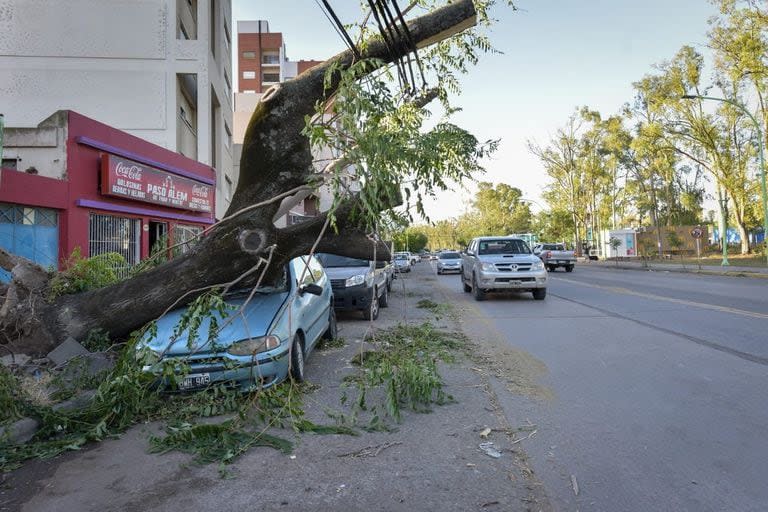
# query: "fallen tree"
[277,162]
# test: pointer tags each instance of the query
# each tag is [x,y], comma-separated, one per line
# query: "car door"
[312,310]
[467,261]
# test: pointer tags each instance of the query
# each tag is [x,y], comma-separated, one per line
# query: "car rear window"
[554,247]
[503,247]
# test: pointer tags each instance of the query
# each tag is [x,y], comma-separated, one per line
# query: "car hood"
[254,321]
[345,272]
[508,258]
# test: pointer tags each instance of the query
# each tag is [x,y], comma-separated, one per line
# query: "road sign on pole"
[697,233]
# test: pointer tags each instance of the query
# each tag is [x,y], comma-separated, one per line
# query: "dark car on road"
[358,285]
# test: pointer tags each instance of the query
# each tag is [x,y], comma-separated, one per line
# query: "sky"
[557,55]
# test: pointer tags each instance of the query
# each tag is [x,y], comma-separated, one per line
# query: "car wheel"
[389,283]
[569,268]
[464,284]
[333,328]
[384,299]
[539,293]
[372,311]
[439,272]
[297,359]
[476,291]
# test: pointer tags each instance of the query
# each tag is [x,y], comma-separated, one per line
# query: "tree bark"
[276,159]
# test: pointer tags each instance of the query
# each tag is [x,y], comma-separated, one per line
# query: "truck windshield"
[503,247]
[333,260]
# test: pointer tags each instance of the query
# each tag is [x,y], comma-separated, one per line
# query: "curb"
[727,273]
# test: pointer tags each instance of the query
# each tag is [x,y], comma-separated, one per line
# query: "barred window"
[186,235]
[15,214]
[121,235]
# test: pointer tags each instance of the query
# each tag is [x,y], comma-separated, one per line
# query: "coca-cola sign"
[122,177]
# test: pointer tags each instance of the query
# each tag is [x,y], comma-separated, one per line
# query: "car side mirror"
[314,289]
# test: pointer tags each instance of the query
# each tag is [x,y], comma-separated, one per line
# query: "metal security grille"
[186,235]
[115,234]
[30,216]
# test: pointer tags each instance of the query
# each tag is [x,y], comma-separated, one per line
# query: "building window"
[184,237]
[270,58]
[228,187]
[249,55]
[10,163]
[227,136]
[14,214]
[270,77]
[228,81]
[227,36]
[186,19]
[110,234]
[213,34]
[248,75]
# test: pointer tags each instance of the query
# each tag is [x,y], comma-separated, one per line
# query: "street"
[657,384]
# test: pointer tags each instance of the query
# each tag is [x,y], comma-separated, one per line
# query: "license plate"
[515,283]
[195,380]
[562,261]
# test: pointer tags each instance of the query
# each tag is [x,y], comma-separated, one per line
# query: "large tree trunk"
[276,162]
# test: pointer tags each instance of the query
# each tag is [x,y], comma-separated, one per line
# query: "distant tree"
[615,243]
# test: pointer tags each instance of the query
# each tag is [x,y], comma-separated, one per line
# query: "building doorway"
[158,236]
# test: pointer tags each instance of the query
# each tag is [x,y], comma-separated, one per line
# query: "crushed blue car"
[259,336]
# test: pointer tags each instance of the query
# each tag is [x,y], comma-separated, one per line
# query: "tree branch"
[276,155]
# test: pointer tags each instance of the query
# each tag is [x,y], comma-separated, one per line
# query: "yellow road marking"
[703,305]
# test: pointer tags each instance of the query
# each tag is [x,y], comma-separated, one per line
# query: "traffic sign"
[697,232]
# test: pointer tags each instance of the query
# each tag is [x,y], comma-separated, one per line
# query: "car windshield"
[401,257]
[450,256]
[334,260]
[503,247]
[248,288]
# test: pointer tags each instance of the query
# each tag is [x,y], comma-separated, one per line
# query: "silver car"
[448,261]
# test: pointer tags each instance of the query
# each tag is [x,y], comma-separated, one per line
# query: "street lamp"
[762,164]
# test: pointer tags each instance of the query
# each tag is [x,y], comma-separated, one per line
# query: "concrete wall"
[43,148]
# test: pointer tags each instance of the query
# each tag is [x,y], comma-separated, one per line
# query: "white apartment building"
[157,69]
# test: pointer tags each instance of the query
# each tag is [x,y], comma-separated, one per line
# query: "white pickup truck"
[502,263]
[555,255]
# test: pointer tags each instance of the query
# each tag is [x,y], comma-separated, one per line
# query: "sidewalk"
[671,266]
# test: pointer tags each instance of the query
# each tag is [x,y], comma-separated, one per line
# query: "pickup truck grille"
[511,279]
[338,283]
[508,267]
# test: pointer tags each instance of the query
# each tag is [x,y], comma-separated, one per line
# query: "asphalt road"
[659,387]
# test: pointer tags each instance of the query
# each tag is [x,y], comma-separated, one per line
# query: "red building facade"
[119,193]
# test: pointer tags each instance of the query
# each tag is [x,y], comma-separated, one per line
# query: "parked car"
[266,336]
[401,262]
[555,255]
[358,285]
[502,264]
[448,261]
